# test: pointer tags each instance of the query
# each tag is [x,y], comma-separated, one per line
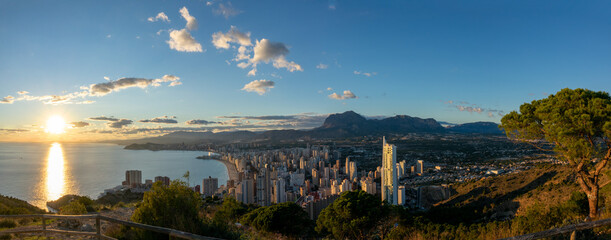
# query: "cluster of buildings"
[133,182]
[313,176]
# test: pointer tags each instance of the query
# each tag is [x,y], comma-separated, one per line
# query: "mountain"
[338,125]
[477,127]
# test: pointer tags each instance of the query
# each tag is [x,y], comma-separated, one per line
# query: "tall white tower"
[389,173]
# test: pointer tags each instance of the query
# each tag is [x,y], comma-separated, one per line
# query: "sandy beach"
[232,171]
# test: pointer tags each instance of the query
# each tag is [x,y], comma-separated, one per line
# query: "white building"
[389,173]
[353,171]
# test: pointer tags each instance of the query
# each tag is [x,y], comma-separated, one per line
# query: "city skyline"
[118,70]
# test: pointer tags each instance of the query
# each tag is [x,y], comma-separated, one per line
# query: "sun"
[55,125]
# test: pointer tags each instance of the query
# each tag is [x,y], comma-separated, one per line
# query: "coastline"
[232,171]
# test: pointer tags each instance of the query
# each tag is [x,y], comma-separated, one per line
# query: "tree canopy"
[175,206]
[577,123]
[285,218]
[354,215]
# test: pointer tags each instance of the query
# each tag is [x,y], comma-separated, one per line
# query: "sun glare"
[55,125]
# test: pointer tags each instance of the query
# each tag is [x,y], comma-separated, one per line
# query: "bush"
[7,223]
[353,215]
[175,206]
[285,218]
[73,208]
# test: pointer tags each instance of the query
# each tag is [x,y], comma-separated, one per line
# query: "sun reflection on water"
[55,172]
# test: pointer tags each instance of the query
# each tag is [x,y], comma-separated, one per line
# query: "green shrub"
[7,223]
[73,208]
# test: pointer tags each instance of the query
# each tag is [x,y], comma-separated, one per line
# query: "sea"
[42,172]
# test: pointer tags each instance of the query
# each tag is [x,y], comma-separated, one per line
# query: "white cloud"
[222,40]
[347,95]
[8,99]
[329,89]
[160,16]
[191,21]
[473,108]
[266,51]
[263,51]
[322,66]
[226,10]
[99,89]
[108,36]
[259,86]
[182,41]
[365,73]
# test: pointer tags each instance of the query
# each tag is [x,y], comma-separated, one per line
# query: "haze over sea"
[41,172]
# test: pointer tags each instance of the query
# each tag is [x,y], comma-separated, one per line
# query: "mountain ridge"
[337,125]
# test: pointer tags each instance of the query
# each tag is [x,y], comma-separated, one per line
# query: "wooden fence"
[97,233]
[562,230]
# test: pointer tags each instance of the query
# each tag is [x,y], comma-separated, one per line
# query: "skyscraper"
[133,178]
[353,171]
[389,173]
[210,185]
[420,167]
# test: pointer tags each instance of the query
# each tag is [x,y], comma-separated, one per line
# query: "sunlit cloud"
[98,89]
[102,89]
[113,122]
[347,95]
[182,41]
[79,124]
[191,21]
[223,40]
[163,119]
[464,106]
[160,16]
[259,86]
[8,99]
[199,122]
[264,51]
[13,130]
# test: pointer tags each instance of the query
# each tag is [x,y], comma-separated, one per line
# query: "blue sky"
[455,61]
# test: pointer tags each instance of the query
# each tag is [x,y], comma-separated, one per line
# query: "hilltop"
[11,206]
[338,125]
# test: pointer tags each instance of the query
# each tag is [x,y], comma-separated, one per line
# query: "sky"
[131,69]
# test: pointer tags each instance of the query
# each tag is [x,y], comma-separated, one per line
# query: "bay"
[41,172]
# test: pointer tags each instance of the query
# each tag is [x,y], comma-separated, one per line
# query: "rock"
[87,228]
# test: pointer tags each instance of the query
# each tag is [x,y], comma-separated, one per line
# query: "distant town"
[314,175]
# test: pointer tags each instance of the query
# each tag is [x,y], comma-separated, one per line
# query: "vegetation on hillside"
[577,123]
[14,206]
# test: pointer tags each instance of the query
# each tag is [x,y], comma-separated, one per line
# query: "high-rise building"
[263,188]
[401,197]
[210,185]
[347,167]
[279,191]
[420,167]
[164,180]
[133,177]
[389,174]
[353,171]
[245,191]
[368,185]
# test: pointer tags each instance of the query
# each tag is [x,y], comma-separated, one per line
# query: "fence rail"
[562,230]
[97,233]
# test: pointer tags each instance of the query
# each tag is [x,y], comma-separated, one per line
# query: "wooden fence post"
[44,227]
[98,226]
